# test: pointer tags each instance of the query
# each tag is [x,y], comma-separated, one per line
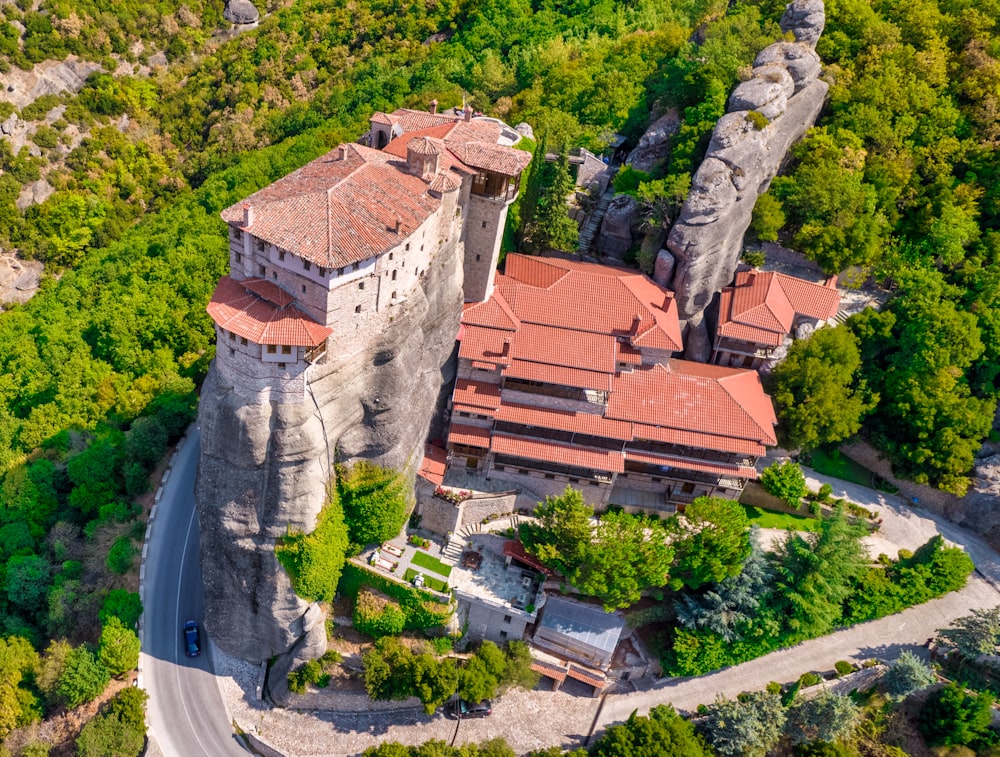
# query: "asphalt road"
[186,714]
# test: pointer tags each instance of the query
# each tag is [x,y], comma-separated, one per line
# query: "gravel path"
[528,720]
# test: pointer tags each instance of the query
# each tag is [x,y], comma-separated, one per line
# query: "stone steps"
[589,231]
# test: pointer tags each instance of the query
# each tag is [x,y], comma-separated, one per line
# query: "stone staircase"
[456,544]
[589,231]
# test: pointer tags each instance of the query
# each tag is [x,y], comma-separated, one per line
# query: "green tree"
[119,648]
[663,732]
[975,634]
[907,673]
[552,228]
[18,664]
[28,580]
[121,556]
[819,395]
[122,604]
[51,667]
[118,732]
[826,717]
[747,727]
[816,572]
[374,502]
[954,717]
[482,673]
[768,217]
[83,678]
[786,481]
[563,531]
[712,544]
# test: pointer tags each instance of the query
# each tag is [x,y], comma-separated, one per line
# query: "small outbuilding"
[580,632]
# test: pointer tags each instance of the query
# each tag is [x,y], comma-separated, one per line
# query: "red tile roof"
[434,464]
[470,436]
[702,466]
[565,420]
[761,306]
[557,374]
[566,347]
[514,548]
[412,120]
[476,394]
[708,399]
[237,306]
[563,454]
[487,345]
[718,442]
[338,210]
[457,407]
[494,313]
[471,145]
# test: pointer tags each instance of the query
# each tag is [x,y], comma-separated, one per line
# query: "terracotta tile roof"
[412,120]
[565,420]
[556,374]
[484,365]
[444,182]
[563,454]
[236,307]
[761,306]
[629,355]
[434,464]
[550,291]
[379,117]
[809,299]
[337,210]
[488,345]
[471,145]
[588,677]
[702,466]
[494,313]
[476,394]
[269,291]
[425,146]
[549,670]
[565,347]
[460,408]
[470,436]
[495,158]
[696,397]
[717,442]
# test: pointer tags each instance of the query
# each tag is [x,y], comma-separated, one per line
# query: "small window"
[232,336]
[550,476]
[393,295]
[357,308]
[322,272]
[286,349]
[271,349]
[356,266]
[303,289]
[407,246]
[687,489]
[281,254]
[390,255]
[464,414]
[421,248]
[243,340]
[262,270]
[281,365]
[239,258]
[361,285]
[340,271]
[232,352]
[506,618]
[484,224]
[306,265]
[393,275]
[478,257]
[503,634]
[274,275]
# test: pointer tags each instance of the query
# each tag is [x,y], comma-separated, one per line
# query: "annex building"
[567,375]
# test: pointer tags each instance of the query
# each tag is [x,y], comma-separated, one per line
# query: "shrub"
[786,481]
[122,604]
[82,679]
[314,561]
[753,258]
[825,490]
[954,717]
[843,667]
[773,688]
[121,556]
[377,615]
[907,674]
[374,501]
[809,679]
[119,647]
[757,119]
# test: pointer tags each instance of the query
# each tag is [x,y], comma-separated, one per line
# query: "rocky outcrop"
[21,88]
[33,193]
[265,466]
[19,279]
[742,158]
[616,234]
[241,12]
[654,145]
[979,510]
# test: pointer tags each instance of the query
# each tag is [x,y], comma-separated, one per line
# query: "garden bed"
[429,581]
[774,519]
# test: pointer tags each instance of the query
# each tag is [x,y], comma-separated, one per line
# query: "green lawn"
[429,581]
[424,560]
[773,519]
[840,466]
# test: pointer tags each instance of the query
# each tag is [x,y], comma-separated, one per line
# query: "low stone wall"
[754,494]
[479,508]
[443,517]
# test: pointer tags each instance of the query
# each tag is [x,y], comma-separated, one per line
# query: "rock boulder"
[805,19]
[240,12]
[654,145]
[616,234]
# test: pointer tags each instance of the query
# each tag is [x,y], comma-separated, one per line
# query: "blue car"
[192,644]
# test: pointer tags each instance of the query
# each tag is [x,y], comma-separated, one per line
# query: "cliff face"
[265,465]
[742,159]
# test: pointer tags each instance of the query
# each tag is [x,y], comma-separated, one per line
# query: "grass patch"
[432,564]
[429,581]
[833,463]
[423,609]
[773,519]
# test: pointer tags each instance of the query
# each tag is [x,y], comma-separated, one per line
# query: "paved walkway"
[533,719]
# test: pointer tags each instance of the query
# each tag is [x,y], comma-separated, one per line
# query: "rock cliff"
[742,159]
[265,467]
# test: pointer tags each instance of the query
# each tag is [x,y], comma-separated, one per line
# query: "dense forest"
[98,372]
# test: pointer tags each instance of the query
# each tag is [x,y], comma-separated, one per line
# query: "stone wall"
[441,516]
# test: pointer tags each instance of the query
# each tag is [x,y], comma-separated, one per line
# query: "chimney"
[399,224]
[636,322]
[468,112]
[247,215]
[342,152]
[434,106]
[506,348]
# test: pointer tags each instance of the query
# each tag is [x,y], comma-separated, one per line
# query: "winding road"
[186,714]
